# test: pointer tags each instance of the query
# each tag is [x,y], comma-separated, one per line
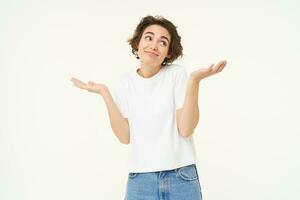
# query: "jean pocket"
[188,173]
[132,174]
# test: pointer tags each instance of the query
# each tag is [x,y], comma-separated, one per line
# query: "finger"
[223,64]
[75,80]
[215,68]
[78,82]
[220,66]
[80,86]
[91,83]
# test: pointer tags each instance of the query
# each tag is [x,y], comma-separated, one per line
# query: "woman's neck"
[148,71]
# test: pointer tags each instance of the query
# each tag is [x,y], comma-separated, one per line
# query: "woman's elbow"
[127,141]
[186,133]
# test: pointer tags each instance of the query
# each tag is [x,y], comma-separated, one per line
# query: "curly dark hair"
[175,48]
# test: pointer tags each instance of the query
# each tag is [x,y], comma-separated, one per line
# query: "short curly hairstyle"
[175,47]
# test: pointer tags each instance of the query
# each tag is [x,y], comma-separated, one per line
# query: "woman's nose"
[153,46]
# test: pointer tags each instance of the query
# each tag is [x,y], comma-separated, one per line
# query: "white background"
[56,141]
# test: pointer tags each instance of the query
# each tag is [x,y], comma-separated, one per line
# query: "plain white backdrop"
[56,141]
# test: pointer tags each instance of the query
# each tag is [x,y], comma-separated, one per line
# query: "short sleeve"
[180,87]
[121,98]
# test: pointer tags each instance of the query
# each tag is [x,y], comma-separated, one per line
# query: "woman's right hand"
[90,86]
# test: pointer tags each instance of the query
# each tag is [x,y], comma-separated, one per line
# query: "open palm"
[206,72]
[90,86]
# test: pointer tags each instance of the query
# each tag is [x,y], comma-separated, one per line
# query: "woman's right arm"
[119,124]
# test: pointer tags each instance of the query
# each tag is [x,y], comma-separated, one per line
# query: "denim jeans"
[177,184]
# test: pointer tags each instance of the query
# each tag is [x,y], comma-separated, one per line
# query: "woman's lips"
[151,53]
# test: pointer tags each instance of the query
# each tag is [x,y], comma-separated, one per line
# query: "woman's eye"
[148,38]
[164,43]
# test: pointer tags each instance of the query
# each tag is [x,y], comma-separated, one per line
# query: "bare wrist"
[104,93]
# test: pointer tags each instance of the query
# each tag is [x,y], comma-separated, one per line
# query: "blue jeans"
[177,184]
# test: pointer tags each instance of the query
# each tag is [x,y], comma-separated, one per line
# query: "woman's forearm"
[118,123]
[189,117]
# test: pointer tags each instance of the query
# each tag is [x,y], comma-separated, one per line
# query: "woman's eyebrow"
[160,37]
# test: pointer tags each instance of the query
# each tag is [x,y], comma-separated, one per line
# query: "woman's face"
[154,45]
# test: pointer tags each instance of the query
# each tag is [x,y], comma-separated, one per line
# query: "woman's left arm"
[187,117]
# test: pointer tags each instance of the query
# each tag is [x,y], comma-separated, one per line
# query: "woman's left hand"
[202,73]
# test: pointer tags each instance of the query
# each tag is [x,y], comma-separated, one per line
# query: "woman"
[156,111]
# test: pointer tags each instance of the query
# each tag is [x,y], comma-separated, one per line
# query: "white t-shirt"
[150,105]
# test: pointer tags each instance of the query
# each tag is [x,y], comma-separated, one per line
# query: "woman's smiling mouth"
[151,53]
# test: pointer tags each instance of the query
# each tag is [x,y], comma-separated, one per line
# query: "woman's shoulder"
[123,78]
[176,68]
[126,75]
